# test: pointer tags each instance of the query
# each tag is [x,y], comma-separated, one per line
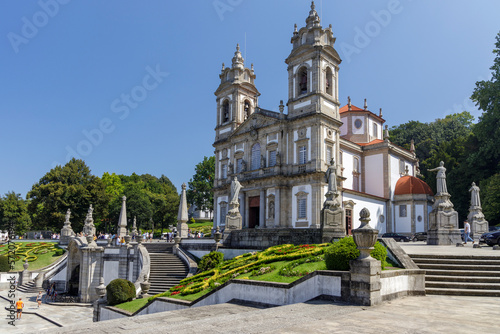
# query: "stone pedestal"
[234,221]
[365,270]
[443,222]
[478,224]
[365,281]
[332,224]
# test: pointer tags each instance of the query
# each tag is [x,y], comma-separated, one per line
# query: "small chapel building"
[281,158]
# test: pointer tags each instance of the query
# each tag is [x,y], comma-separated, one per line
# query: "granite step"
[462,292]
[470,279]
[462,285]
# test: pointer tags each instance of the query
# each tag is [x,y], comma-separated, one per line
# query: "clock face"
[358,123]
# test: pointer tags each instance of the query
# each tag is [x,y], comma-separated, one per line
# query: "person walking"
[39,298]
[19,307]
[467,233]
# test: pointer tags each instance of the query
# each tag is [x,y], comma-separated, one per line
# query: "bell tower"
[237,96]
[313,66]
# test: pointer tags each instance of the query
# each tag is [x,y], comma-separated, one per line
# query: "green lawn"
[134,305]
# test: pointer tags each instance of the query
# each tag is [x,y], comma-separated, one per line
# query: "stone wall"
[325,284]
[265,238]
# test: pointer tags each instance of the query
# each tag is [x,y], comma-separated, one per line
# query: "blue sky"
[128,85]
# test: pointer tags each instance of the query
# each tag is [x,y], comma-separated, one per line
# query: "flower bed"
[249,265]
[30,251]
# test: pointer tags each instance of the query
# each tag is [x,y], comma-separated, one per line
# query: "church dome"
[411,185]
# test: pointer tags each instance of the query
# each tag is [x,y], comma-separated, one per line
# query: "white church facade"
[281,158]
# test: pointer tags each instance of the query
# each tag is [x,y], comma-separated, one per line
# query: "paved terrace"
[430,314]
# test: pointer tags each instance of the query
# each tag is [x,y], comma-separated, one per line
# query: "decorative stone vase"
[217,235]
[145,285]
[101,288]
[365,237]
[25,265]
[110,241]
[177,240]
[127,239]
[139,238]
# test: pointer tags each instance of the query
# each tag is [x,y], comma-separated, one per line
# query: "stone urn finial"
[25,265]
[217,235]
[364,236]
[138,238]
[145,285]
[101,288]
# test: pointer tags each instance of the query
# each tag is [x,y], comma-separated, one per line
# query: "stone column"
[122,221]
[262,210]
[182,216]
[277,208]
[91,270]
[365,270]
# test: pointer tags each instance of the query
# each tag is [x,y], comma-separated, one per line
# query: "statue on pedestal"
[443,219]
[89,227]
[234,219]
[66,232]
[332,214]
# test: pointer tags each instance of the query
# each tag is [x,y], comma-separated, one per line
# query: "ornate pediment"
[253,124]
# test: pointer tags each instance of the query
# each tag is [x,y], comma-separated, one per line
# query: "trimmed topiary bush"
[120,291]
[4,264]
[338,255]
[210,261]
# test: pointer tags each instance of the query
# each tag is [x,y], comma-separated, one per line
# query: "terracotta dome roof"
[411,185]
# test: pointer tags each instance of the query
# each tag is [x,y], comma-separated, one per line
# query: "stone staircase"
[460,275]
[29,288]
[166,268]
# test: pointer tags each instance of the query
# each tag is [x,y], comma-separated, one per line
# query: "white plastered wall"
[374,175]
[377,208]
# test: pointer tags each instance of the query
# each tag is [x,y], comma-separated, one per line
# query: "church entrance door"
[253,211]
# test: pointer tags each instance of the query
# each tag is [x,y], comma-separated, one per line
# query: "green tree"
[490,192]
[200,186]
[69,187]
[449,140]
[14,210]
[113,183]
[486,95]
[148,199]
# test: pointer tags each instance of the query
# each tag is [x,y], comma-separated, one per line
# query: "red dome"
[411,185]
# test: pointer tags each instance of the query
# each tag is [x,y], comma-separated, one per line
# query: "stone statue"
[331,177]
[235,190]
[243,165]
[278,158]
[262,162]
[441,178]
[68,214]
[271,210]
[475,201]
[230,169]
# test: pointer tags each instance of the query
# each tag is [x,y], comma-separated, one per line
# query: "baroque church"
[281,159]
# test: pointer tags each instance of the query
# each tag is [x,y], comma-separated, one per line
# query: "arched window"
[246,109]
[225,111]
[302,80]
[255,164]
[329,81]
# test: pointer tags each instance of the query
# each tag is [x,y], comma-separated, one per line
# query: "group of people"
[49,296]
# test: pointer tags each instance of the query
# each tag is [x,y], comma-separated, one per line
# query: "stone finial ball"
[364,213]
